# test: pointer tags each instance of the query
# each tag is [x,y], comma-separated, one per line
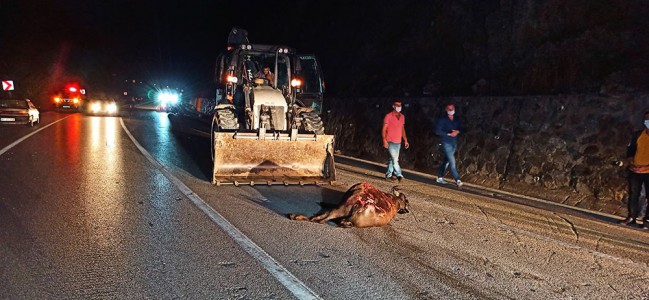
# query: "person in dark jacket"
[638,152]
[448,128]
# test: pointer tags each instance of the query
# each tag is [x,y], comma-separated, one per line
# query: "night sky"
[366,48]
[101,43]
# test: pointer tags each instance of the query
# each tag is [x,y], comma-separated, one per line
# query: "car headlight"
[168,98]
[111,108]
[95,107]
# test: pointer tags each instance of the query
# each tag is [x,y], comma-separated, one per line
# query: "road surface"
[119,207]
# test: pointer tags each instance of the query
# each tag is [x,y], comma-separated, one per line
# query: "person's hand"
[454,133]
[385,144]
[639,169]
[406,144]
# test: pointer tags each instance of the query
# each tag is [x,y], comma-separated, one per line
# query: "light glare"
[166,97]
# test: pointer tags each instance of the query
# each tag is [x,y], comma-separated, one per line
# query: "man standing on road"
[638,150]
[393,131]
[447,128]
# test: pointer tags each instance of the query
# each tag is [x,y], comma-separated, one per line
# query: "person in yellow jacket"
[638,151]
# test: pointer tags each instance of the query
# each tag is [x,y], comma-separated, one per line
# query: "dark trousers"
[636,181]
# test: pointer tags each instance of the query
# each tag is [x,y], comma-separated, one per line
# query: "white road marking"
[5,149]
[288,280]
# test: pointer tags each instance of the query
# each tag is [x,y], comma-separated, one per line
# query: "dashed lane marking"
[286,278]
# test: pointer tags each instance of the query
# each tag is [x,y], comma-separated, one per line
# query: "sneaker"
[645,224]
[399,178]
[390,179]
[459,183]
[441,180]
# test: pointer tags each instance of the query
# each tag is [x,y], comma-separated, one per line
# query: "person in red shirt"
[393,132]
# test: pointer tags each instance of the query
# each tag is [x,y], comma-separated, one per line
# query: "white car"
[18,111]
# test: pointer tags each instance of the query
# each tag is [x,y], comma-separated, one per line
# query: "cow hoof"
[297,217]
[345,224]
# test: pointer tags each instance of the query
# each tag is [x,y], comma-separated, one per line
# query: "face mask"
[450,112]
[646,124]
[397,108]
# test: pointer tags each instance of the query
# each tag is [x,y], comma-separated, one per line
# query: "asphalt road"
[85,213]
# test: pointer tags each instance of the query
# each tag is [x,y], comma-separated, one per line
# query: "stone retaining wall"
[559,148]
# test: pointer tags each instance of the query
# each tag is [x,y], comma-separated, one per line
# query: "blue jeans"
[449,160]
[393,164]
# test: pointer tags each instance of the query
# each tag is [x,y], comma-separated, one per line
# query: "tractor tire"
[227,119]
[312,123]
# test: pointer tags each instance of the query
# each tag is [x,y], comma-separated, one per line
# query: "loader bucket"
[251,158]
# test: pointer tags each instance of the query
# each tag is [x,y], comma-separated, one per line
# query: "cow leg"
[340,212]
[319,217]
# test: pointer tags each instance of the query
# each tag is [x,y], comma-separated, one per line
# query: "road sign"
[7,85]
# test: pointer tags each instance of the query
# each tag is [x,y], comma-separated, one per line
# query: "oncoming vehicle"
[102,107]
[167,98]
[264,128]
[18,111]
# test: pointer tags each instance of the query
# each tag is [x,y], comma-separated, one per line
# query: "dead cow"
[363,205]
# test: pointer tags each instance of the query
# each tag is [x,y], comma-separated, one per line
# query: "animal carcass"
[363,205]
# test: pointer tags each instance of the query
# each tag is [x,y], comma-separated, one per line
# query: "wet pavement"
[84,214]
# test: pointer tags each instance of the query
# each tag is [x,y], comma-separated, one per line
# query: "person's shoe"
[627,221]
[390,179]
[399,178]
[645,224]
[459,183]
[441,180]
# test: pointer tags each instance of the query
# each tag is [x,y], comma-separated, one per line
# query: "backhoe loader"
[264,121]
